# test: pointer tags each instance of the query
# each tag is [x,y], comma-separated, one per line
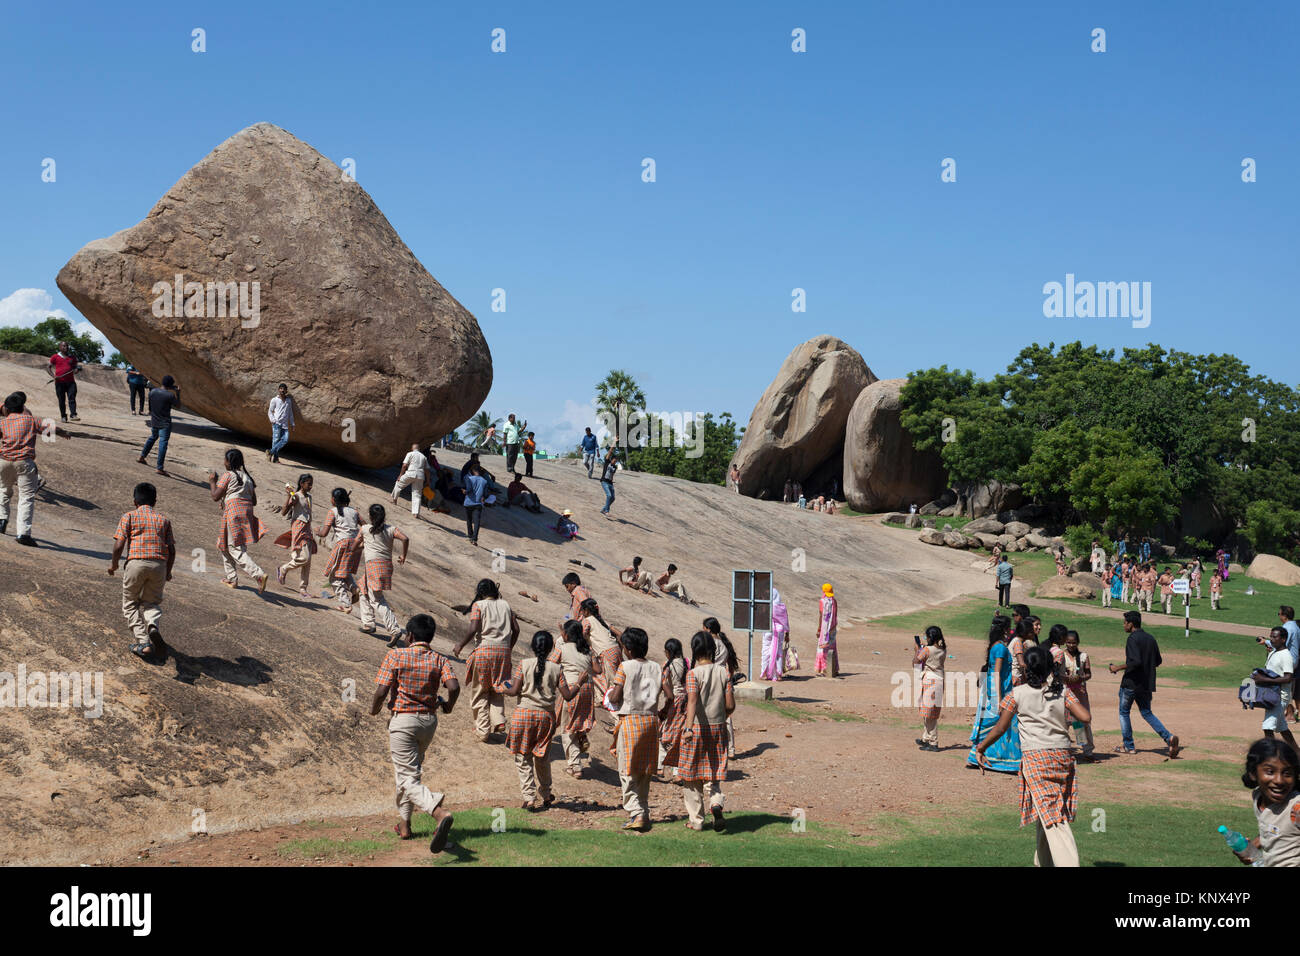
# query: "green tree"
[116,361]
[44,339]
[617,397]
[476,430]
[674,454]
[1273,528]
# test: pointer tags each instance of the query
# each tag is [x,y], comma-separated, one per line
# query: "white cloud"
[26,308]
[565,431]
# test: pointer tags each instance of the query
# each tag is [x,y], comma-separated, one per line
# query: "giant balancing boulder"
[265,263]
[797,428]
[881,467]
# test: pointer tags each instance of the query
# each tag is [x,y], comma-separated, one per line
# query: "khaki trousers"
[417,490]
[238,559]
[931,733]
[375,610]
[693,793]
[573,750]
[20,474]
[677,589]
[1055,846]
[142,593]
[1083,737]
[343,590]
[534,776]
[1168,601]
[488,707]
[300,559]
[636,793]
[409,736]
[1105,595]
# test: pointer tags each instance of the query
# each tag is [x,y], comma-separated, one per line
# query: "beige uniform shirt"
[574,662]
[711,683]
[377,545]
[535,697]
[495,618]
[641,688]
[1044,721]
[1279,831]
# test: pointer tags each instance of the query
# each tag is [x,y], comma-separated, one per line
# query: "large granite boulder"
[882,469]
[1269,567]
[1017,528]
[990,497]
[797,428]
[334,304]
[931,536]
[985,538]
[1059,587]
[988,523]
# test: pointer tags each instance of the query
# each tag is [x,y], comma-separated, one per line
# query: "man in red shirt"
[18,431]
[146,537]
[408,680]
[63,369]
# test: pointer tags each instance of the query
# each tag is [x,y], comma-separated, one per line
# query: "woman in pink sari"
[774,640]
[828,659]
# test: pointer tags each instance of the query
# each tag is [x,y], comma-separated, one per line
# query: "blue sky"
[775,170]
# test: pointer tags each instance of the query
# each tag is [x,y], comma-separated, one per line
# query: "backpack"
[1254,695]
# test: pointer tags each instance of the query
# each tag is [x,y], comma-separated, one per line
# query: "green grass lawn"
[1120,835]
[1236,606]
[957,523]
[1104,640]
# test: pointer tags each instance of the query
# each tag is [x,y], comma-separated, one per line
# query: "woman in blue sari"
[995,683]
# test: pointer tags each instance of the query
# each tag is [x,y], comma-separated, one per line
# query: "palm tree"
[617,396]
[477,428]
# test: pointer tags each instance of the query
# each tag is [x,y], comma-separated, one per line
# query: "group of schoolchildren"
[675,715]
[1132,581]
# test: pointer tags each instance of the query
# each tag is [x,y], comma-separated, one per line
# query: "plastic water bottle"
[1236,842]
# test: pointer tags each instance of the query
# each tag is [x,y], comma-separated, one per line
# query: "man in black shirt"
[1141,658]
[161,401]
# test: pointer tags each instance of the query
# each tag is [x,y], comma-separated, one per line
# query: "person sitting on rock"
[519,494]
[634,577]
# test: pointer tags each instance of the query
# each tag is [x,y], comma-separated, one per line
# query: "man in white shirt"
[280,413]
[414,472]
[1280,663]
[510,438]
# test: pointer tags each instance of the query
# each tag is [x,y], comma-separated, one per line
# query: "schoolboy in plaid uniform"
[18,431]
[408,680]
[144,536]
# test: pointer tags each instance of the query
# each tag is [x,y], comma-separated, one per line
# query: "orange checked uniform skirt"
[301,537]
[344,559]
[670,730]
[1048,790]
[379,575]
[488,665]
[638,744]
[530,731]
[579,713]
[703,754]
[240,528]
[609,661]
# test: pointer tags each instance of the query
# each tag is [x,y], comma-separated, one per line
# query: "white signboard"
[1182,586]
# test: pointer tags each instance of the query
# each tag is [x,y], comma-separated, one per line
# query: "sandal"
[633,825]
[143,650]
[1121,749]
[231,584]
[719,824]
[439,841]
[692,826]
[366,630]
[261,584]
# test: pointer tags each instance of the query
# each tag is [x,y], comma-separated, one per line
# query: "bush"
[1079,539]
[1272,528]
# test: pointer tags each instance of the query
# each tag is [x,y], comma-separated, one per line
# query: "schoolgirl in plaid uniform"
[673,717]
[537,682]
[297,505]
[494,628]
[579,716]
[930,658]
[1048,790]
[345,554]
[603,641]
[377,541]
[637,686]
[703,763]
[240,527]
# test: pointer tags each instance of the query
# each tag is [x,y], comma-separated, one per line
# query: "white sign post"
[1184,587]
